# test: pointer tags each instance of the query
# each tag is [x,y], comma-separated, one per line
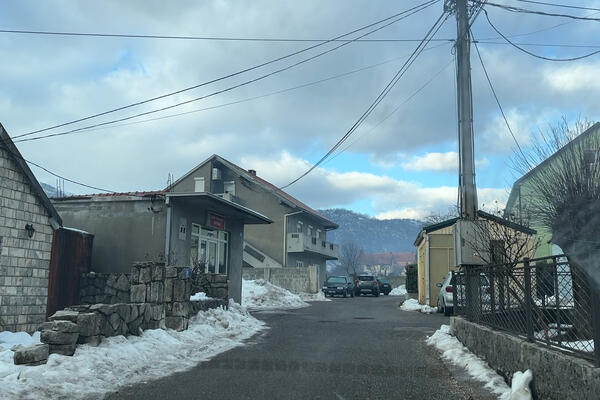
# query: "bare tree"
[435,218]
[350,257]
[564,197]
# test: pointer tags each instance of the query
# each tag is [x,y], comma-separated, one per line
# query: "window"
[318,234]
[309,231]
[209,249]
[199,184]
[229,187]
[299,227]
[299,263]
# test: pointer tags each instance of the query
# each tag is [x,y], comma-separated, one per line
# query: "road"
[354,348]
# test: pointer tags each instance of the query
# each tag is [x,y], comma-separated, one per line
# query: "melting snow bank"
[398,291]
[10,339]
[313,297]
[120,361]
[413,305]
[262,295]
[200,296]
[454,351]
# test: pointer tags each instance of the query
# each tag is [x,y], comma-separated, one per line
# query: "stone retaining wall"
[556,375]
[294,279]
[103,288]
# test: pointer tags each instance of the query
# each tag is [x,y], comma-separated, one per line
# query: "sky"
[400,163]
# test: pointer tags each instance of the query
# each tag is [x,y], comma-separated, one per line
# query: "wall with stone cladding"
[104,288]
[24,261]
[296,280]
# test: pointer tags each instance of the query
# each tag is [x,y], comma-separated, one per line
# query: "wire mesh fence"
[546,300]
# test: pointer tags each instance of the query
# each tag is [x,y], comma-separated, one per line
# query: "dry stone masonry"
[103,288]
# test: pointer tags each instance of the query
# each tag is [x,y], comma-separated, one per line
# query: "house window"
[210,249]
[309,231]
[299,227]
[229,187]
[318,234]
[199,184]
[299,263]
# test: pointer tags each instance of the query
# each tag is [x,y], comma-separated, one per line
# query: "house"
[522,199]
[296,238]
[386,264]
[435,251]
[180,228]
[28,221]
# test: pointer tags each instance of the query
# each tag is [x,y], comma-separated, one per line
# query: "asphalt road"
[354,348]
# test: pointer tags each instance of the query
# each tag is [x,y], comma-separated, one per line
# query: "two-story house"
[296,238]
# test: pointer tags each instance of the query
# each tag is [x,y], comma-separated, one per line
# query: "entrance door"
[208,255]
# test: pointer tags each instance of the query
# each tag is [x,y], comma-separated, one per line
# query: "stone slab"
[31,355]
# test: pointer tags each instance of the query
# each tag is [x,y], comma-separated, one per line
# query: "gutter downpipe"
[427,294]
[168,231]
[285,217]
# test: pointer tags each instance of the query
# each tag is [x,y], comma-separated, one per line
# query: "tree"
[350,257]
[565,199]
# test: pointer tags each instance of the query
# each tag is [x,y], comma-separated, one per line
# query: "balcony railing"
[299,242]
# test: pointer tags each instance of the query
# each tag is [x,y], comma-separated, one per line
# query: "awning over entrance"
[218,205]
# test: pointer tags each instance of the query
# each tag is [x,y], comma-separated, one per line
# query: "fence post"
[492,295]
[594,299]
[528,300]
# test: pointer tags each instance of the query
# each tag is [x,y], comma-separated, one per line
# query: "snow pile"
[120,361]
[200,296]
[262,295]
[313,297]
[10,339]
[454,351]
[398,291]
[413,305]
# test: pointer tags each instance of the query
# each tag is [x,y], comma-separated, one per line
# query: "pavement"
[353,348]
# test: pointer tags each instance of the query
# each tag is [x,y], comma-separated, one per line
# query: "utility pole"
[466,181]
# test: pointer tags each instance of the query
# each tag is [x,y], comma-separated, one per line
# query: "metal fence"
[545,300]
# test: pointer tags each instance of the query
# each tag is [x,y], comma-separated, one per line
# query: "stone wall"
[103,288]
[24,261]
[556,375]
[296,280]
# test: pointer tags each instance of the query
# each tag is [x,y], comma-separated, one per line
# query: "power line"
[531,53]
[547,14]
[431,33]
[408,12]
[307,84]
[559,5]
[487,76]
[213,93]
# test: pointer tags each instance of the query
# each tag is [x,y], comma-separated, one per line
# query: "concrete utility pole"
[466,181]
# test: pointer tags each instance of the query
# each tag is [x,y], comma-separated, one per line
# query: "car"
[338,285]
[367,284]
[384,286]
[445,301]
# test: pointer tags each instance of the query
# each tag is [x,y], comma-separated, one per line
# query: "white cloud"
[438,162]
[574,77]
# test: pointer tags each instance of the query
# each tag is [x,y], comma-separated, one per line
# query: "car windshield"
[366,278]
[336,279]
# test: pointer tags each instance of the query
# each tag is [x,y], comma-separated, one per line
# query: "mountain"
[373,235]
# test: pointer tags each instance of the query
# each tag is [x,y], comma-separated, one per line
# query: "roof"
[153,193]
[16,156]
[513,192]
[481,214]
[268,186]
[387,258]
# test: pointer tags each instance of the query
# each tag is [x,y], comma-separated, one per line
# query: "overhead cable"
[547,14]
[559,5]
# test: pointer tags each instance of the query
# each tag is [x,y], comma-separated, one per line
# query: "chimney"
[252,172]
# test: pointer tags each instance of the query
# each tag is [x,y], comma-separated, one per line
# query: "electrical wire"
[487,77]
[547,14]
[407,12]
[558,5]
[247,99]
[531,53]
[418,50]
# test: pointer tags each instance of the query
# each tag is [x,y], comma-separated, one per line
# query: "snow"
[262,295]
[313,297]
[413,305]
[454,351]
[120,361]
[200,296]
[398,291]
[10,339]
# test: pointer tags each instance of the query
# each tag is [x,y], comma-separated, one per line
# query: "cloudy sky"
[405,166]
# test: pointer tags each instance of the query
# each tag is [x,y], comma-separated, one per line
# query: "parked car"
[384,286]
[367,284]
[338,285]
[445,301]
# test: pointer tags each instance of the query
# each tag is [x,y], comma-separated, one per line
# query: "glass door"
[208,255]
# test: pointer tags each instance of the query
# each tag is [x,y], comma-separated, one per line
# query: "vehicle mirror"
[438,284]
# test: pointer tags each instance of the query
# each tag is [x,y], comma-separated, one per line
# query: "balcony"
[299,242]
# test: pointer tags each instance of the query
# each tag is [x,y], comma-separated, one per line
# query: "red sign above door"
[216,221]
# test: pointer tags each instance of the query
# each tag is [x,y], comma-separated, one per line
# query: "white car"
[445,301]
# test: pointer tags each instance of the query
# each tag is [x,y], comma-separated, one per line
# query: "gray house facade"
[296,238]
[27,224]
[180,229]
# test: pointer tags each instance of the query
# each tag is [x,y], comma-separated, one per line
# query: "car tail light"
[449,289]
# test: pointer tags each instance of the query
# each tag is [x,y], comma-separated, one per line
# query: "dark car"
[338,285]
[367,284]
[384,286]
